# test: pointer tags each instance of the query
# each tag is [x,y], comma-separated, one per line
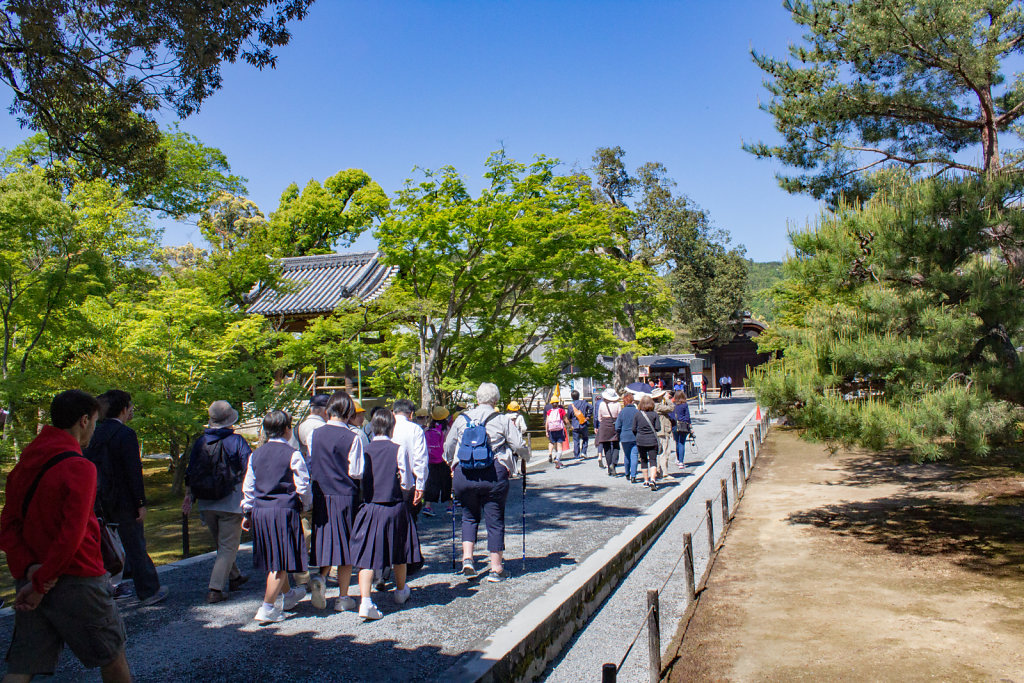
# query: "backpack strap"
[59,458]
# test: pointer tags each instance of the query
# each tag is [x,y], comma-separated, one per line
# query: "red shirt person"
[53,551]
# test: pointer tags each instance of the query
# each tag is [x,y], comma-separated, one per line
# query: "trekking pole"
[455,510]
[524,517]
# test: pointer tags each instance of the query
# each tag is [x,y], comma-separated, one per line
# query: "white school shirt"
[300,476]
[410,435]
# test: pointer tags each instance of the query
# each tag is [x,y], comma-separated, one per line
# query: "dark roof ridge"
[325,260]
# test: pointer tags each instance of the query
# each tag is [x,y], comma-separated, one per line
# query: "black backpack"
[211,475]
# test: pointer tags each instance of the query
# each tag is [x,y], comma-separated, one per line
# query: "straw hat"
[222,414]
[438,413]
[609,395]
[422,412]
[513,407]
[657,393]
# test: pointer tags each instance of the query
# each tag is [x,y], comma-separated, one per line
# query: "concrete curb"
[520,650]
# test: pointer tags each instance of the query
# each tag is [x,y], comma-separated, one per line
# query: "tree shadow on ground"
[235,652]
[980,537]
[863,469]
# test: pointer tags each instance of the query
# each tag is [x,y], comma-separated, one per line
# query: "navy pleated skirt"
[278,544]
[333,517]
[385,535]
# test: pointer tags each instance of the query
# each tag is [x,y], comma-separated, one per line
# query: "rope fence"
[694,589]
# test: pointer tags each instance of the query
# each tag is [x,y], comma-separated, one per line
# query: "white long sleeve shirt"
[300,476]
[410,436]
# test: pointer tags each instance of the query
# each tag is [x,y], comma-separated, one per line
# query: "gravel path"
[570,513]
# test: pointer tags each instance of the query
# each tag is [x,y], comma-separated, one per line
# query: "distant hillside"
[760,277]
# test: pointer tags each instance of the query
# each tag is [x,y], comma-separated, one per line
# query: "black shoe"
[632,480]
[237,582]
[654,487]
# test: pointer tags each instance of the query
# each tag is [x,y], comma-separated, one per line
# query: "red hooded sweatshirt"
[60,531]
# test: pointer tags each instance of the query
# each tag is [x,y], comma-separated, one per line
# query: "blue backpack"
[475,451]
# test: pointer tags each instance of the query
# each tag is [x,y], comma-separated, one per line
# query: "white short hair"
[488,393]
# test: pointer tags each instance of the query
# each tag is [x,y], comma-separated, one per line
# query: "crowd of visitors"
[335,493]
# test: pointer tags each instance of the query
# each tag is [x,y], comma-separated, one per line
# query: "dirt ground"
[865,567]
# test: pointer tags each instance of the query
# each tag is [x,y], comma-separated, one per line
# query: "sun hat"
[222,414]
[422,412]
[657,393]
[319,401]
[438,413]
[359,406]
[609,395]
[513,407]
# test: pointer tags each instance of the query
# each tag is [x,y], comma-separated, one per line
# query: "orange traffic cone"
[758,416]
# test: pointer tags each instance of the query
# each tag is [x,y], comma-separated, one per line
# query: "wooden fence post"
[711,527]
[735,482]
[184,536]
[691,581]
[725,503]
[654,635]
[743,470]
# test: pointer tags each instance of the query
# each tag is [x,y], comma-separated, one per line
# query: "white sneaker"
[369,612]
[345,604]
[318,591]
[269,616]
[292,597]
[401,596]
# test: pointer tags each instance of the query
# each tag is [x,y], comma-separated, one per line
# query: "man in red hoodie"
[52,541]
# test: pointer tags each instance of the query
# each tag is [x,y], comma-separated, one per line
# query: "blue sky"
[386,86]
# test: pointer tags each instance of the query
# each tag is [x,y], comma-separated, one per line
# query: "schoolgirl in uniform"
[385,533]
[275,490]
[335,465]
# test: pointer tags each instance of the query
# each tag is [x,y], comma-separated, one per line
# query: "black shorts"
[79,612]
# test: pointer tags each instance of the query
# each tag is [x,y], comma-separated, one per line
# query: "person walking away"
[122,495]
[647,442]
[385,533]
[517,417]
[626,430]
[439,475]
[556,425]
[681,425]
[480,475]
[607,437]
[50,534]
[335,459]
[581,417]
[317,418]
[275,491]
[664,424]
[213,482]
[409,433]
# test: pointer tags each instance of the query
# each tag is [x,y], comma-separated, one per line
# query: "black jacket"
[114,450]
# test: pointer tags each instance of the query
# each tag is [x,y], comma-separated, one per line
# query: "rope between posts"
[633,642]
[705,518]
